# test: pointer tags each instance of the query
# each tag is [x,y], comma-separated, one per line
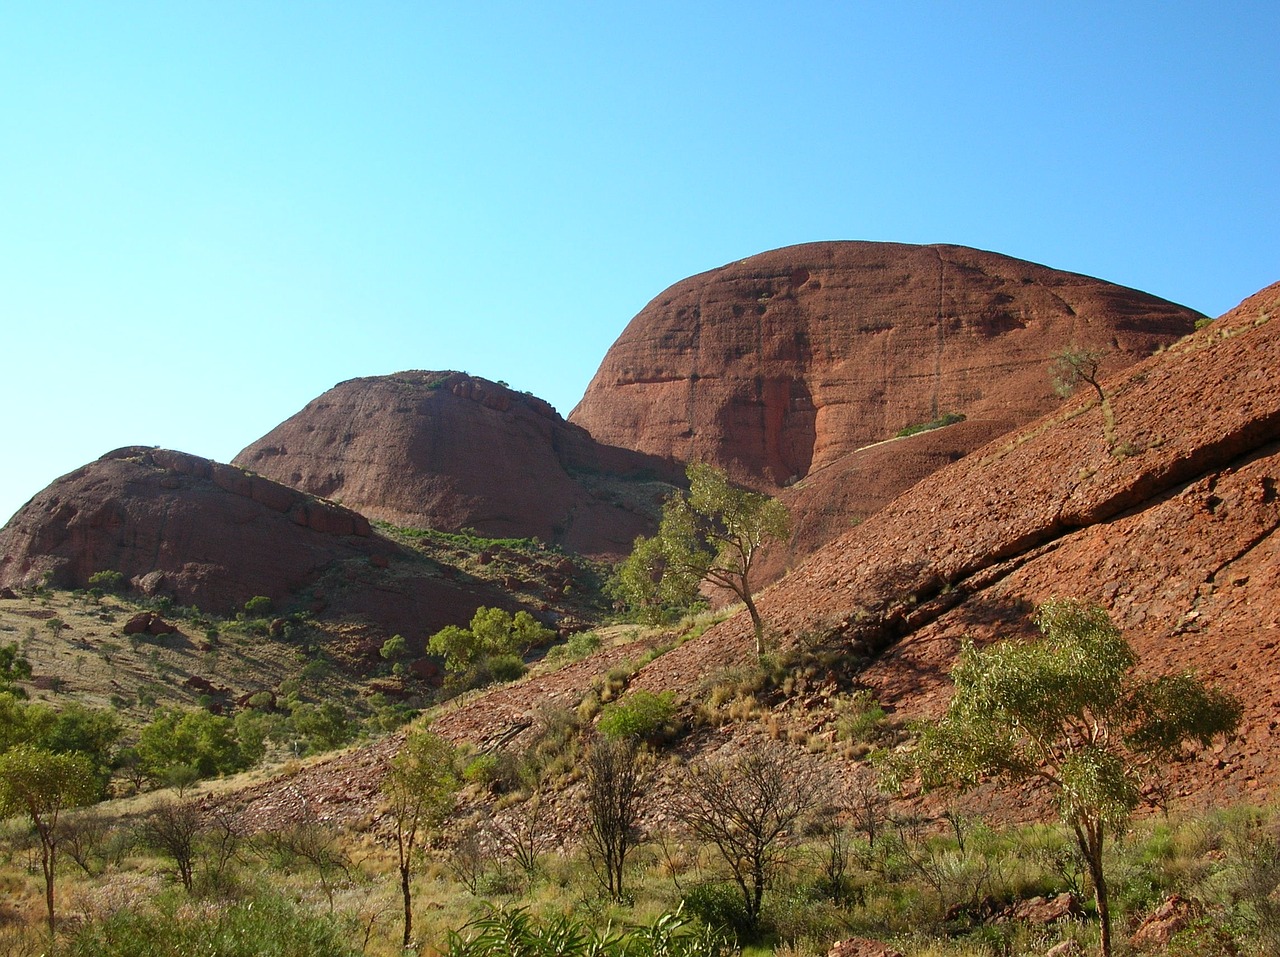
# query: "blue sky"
[210,213]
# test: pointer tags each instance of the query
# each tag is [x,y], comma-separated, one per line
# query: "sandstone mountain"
[786,367]
[1168,519]
[451,451]
[214,536]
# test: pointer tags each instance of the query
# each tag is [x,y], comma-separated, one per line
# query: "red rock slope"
[214,536]
[1170,523]
[780,365]
[450,451]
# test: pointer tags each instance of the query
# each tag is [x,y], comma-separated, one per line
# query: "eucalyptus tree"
[418,790]
[41,785]
[1068,711]
[713,534]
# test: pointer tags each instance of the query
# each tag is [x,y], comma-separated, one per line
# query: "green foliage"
[642,715]
[41,785]
[257,606]
[178,739]
[75,729]
[90,732]
[860,717]
[1069,711]
[325,726]
[394,648]
[515,931]
[14,667]
[265,925]
[107,581]
[490,649]
[419,790]
[948,418]
[1071,367]
[712,534]
[579,646]
[719,906]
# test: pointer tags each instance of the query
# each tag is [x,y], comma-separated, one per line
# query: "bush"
[257,606]
[642,715]
[578,646]
[266,924]
[107,580]
[860,718]
[719,907]
[490,649]
[179,740]
[949,418]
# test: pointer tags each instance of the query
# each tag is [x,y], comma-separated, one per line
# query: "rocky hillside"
[214,536]
[1166,514]
[780,365]
[450,451]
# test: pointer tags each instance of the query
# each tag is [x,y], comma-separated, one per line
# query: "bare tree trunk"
[1090,837]
[46,864]
[407,894]
[757,623]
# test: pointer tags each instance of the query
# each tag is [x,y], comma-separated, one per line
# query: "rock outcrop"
[214,536]
[1167,517]
[450,451]
[781,365]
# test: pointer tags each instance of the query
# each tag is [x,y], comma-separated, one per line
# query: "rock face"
[781,365]
[1168,518]
[450,451]
[214,536]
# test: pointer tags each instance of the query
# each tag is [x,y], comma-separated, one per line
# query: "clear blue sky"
[210,213]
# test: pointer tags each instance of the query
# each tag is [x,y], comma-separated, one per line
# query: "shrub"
[107,580]
[642,715]
[719,907]
[393,648]
[949,418]
[263,924]
[860,717]
[257,606]
[577,647]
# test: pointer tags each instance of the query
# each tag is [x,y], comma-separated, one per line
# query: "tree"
[173,828]
[1068,711]
[188,745]
[615,784]
[325,726]
[394,648]
[489,648]
[712,534]
[419,787]
[14,667]
[749,809]
[41,785]
[1075,365]
[92,732]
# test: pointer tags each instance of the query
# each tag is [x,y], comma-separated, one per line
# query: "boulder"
[1175,913]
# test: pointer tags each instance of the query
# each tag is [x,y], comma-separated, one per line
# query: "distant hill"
[451,451]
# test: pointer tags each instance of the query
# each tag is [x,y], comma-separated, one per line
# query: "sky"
[211,213]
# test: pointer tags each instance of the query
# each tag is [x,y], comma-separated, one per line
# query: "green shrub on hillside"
[641,714]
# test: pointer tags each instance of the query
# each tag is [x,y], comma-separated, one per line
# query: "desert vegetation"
[622,829]
[713,534]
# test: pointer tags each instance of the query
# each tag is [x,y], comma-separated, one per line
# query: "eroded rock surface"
[450,451]
[779,366]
